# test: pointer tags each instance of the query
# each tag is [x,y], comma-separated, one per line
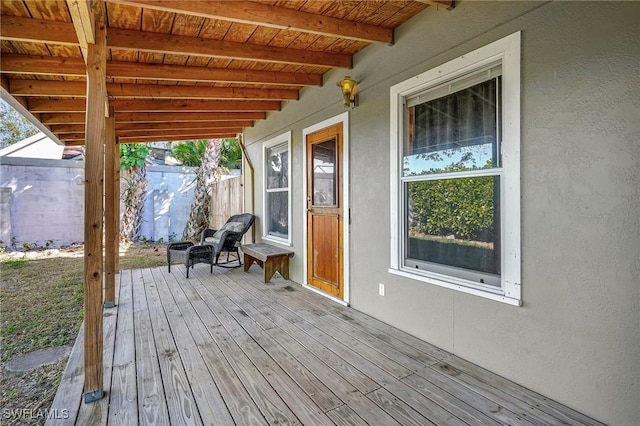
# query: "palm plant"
[132,160]
[206,175]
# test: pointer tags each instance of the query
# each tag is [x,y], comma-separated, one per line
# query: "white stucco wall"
[576,338]
[46,201]
[43,201]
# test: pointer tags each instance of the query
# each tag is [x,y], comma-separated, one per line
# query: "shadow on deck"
[225,348]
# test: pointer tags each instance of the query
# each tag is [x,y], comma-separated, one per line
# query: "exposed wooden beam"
[156,133]
[142,41]
[156,117]
[134,139]
[174,117]
[175,132]
[43,105]
[16,28]
[43,65]
[157,91]
[184,125]
[248,12]
[177,138]
[146,91]
[39,31]
[48,88]
[60,129]
[66,137]
[194,105]
[74,67]
[222,75]
[67,128]
[62,118]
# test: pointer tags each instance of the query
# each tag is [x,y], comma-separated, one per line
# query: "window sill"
[497,296]
[277,240]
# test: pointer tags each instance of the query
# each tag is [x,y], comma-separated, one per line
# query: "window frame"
[505,51]
[283,139]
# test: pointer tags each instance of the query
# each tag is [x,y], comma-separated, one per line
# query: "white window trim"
[278,140]
[507,51]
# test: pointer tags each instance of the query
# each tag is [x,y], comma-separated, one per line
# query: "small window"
[277,194]
[456,211]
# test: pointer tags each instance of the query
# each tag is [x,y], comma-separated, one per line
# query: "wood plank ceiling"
[181,70]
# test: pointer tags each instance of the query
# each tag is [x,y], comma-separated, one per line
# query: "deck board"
[152,403]
[226,348]
[123,398]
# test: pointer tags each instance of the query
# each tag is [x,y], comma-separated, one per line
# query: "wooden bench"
[270,258]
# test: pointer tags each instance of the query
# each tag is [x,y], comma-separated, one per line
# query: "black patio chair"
[227,239]
[189,254]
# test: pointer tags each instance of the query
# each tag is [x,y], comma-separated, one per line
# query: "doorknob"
[309,210]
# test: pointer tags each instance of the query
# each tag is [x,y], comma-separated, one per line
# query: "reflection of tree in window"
[324,178]
[451,195]
[460,128]
[277,190]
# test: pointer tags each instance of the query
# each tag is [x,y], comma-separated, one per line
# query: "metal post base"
[93,396]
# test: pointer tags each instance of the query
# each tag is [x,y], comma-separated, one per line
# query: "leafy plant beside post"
[132,160]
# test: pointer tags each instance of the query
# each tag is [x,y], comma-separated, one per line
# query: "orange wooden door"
[325,254]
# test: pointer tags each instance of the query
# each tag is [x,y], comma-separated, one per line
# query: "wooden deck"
[225,348]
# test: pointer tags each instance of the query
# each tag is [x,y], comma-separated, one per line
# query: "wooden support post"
[111,207]
[93,219]
[116,204]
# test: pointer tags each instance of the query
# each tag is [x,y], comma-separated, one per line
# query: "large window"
[277,193]
[455,152]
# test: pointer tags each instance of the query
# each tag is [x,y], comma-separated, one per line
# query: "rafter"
[136,139]
[195,105]
[48,88]
[184,125]
[74,67]
[248,12]
[56,105]
[62,118]
[78,105]
[223,75]
[176,132]
[43,65]
[156,117]
[157,133]
[146,91]
[142,41]
[39,31]
[16,28]
[140,127]
[174,117]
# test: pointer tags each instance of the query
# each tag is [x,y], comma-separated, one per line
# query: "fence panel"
[226,200]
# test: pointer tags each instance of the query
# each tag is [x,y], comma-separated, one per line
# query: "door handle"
[309,210]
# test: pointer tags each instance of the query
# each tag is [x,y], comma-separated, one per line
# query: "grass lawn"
[41,298]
